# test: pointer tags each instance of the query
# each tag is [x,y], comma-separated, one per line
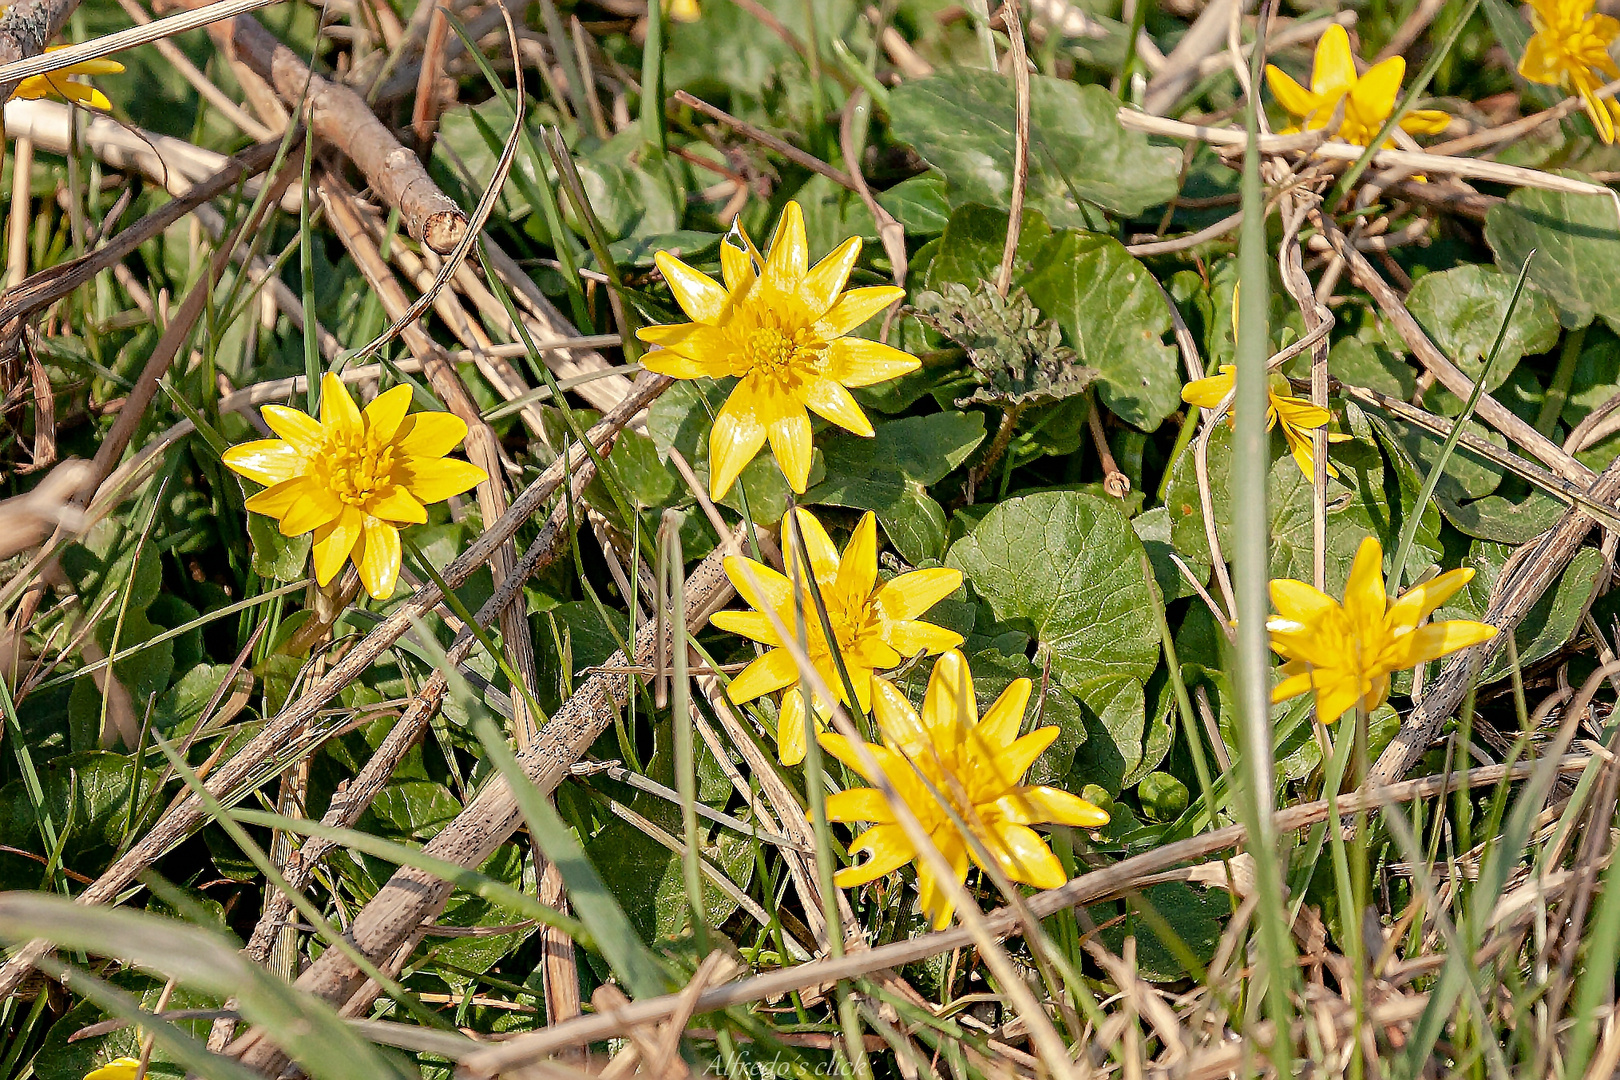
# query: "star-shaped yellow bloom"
[353,478]
[1570,48]
[874,623]
[778,326]
[1297,416]
[975,766]
[59,83]
[1346,653]
[1368,99]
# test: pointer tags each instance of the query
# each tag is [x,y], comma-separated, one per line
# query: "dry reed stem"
[343,119]
[246,768]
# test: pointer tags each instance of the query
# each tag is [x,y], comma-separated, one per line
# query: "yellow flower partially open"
[59,83]
[353,478]
[875,623]
[1297,416]
[123,1068]
[1346,653]
[778,326]
[976,766]
[1570,49]
[683,10]
[1369,99]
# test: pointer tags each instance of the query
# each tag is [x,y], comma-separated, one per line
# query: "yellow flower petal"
[398,506]
[1418,602]
[433,480]
[1289,94]
[789,434]
[338,411]
[1426,122]
[1024,857]
[123,1068]
[1372,98]
[1001,721]
[855,307]
[750,624]
[1442,639]
[267,461]
[826,280]
[790,740]
[858,804]
[1334,70]
[830,400]
[736,267]
[1042,805]
[930,892]
[1365,601]
[857,570]
[317,510]
[948,701]
[770,672]
[1209,392]
[824,560]
[908,638]
[858,362]
[735,439]
[277,501]
[759,585]
[889,848]
[908,595]
[789,256]
[700,296]
[1543,60]
[333,543]
[378,558]
[301,430]
[386,412]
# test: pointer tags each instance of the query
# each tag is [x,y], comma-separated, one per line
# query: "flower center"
[358,471]
[778,353]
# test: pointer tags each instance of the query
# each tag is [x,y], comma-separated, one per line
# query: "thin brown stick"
[765,139]
[342,118]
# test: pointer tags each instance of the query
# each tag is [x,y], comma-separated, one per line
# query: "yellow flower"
[975,766]
[683,10]
[874,623]
[354,478]
[1570,49]
[1347,653]
[1297,416]
[778,325]
[58,82]
[124,1068]
[1368,99]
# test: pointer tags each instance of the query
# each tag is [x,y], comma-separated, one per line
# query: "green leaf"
[98,784]
[961,122]
[1576,239]
[1462,310]
[890,474]
[1196,915]
[1162,796]
[1067,568]
[1115,317]
[969,252]
[919,204]
[280,558]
